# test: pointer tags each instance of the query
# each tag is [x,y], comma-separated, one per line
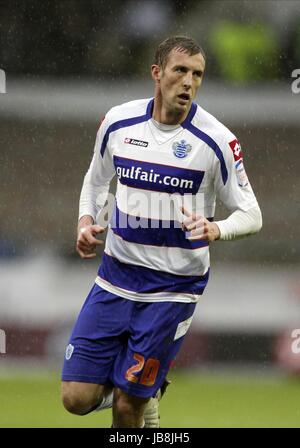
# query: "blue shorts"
[128,343]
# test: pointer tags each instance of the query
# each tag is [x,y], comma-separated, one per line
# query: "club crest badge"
[69,351]
[181,149]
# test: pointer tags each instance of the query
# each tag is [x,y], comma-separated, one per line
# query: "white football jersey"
[159,168]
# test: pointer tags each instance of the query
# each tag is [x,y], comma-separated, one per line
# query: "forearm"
[240,224]
[92,198]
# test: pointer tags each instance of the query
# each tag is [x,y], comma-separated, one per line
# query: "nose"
[187,81]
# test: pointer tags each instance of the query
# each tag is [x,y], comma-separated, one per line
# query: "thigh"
[157,331]
[97,338]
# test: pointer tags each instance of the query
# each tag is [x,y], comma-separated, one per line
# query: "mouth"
[185,97]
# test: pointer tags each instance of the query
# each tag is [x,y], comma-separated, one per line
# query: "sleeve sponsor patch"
[236,149]
[241,174]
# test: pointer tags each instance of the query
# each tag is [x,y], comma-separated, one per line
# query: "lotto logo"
[236,149]
[132,141]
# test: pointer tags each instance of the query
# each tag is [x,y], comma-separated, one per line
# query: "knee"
[124,406]
[74,404]
[77,401]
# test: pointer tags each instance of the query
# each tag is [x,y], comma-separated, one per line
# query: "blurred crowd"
[44,160]
[245,41]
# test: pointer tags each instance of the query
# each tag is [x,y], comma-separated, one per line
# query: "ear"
[155,73]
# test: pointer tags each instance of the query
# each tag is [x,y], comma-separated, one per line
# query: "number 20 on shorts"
[145,372]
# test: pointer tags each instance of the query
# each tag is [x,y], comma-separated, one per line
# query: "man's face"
[180,80]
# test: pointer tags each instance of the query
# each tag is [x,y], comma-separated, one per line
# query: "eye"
[198,74]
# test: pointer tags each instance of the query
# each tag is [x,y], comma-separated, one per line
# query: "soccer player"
[172,159]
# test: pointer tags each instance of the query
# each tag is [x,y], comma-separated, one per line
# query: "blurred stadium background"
[66,64]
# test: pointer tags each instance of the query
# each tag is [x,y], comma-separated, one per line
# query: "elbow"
[258,221]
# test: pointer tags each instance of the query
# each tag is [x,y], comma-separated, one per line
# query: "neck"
[167,116]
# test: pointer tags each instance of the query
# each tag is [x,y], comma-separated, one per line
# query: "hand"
[200,227]
[86,242]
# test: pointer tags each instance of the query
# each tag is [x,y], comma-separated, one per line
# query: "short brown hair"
[187,44]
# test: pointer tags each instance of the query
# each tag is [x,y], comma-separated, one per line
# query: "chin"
[182,107]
